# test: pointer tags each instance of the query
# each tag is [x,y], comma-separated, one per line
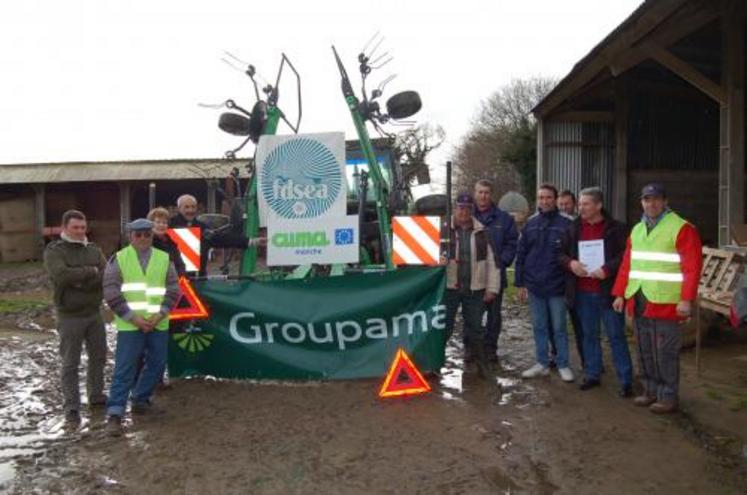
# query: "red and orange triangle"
[195,309]
[403,378]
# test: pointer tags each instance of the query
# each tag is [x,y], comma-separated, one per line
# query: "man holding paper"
[592,249]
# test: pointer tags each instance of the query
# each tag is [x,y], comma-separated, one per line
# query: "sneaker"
[536,370]
[663,407]
[566,374]
[644,400]
[625,391]
[588,384]
[114,426]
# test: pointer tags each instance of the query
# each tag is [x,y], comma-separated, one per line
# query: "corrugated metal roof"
[36,173]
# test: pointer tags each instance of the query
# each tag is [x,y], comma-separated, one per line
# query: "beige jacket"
[485,275]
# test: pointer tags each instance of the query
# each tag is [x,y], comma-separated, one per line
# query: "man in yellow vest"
[140,287]
[659,277]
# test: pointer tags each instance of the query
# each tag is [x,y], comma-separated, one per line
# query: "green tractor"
[376,190]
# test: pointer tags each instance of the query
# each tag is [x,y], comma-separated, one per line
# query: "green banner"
[321,328]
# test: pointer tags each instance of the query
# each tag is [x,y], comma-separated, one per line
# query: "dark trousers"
[578,332]
[471,302]
[494,323]
[659,342]
[73,332]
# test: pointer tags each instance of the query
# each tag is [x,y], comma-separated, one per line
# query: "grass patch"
[17,305]
[714,394]
[739,405]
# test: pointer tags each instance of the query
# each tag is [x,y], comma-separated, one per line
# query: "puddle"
[30,413]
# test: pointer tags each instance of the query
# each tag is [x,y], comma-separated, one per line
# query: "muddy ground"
[505,435]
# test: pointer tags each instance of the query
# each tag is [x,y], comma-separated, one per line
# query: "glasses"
[143,233]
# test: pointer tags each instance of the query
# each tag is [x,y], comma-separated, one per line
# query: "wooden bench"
[719,280]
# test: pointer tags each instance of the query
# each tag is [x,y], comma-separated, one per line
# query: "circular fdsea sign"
[300,179]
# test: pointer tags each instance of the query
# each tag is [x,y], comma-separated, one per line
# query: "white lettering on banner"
[656,276]
[655,256]
[328,337]
[376,328]
[285,330]
[410,319]
[439,320]
[345,332]
[233,328]
[342,338]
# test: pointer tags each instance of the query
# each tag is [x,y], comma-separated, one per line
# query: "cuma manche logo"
[301,179]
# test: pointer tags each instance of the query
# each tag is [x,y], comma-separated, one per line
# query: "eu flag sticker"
[343,236]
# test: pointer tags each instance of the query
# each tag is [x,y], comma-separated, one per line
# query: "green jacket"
[76,271]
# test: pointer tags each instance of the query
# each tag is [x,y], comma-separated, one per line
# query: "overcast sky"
[115,80]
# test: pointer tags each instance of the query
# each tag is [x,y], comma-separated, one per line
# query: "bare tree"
[501,142]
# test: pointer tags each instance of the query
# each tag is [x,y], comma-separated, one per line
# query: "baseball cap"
[464,199]
[653,189]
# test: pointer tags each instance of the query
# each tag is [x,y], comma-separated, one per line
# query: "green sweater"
[76,270]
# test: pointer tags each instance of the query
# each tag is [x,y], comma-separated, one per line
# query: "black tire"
[433,204]
[403,105]
[235,124]
[258,120]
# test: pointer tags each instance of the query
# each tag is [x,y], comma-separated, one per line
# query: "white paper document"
[591,254]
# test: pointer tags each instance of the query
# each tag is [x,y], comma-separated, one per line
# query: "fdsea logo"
[301,179]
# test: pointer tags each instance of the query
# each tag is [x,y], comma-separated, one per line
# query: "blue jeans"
[131,346]
[548,314]
[592,309]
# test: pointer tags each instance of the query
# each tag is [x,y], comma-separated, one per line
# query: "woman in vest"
[140,287]
[659,278]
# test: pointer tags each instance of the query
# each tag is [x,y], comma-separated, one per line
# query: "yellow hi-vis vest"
[144,292]
[654,261]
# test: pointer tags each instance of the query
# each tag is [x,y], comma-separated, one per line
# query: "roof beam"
[686,72]
[686,21]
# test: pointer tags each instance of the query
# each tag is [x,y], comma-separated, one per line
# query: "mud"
[503,435]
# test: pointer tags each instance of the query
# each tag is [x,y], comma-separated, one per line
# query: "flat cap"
[140,224]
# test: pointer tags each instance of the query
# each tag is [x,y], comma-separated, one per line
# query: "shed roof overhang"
[646,33]
[38,173]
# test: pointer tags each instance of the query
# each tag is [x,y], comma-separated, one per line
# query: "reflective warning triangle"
[188,241]
[403,378]
[194,309]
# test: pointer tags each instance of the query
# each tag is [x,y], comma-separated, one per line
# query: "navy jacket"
[504,235]
[537,265]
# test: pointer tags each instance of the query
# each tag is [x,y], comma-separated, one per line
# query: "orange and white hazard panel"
[187,239]
[416,240]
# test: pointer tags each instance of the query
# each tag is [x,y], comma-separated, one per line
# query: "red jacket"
[690,250]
